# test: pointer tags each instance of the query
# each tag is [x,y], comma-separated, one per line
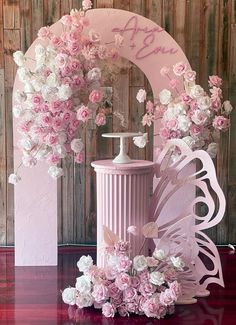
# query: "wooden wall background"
[205,29]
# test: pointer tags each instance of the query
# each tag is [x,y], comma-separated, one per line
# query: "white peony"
[14,179]
[141,95]
[141,141]
[19,58]
[84,300]
[52,80]
[83,284]
[55,172]
[177,262]
[84,263]
[159,254]
[157,278]
[165,96]
[77,145]
[64,92]
[94,74]
[227,106]
[140,263]
[184,123]
[69,296]
[190,141]
[196,91]
[212,149]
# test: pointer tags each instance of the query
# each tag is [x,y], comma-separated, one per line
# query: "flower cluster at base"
[187,111]
[61,92]
[142,285]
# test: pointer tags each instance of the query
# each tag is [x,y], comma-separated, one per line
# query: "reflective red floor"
[31,295]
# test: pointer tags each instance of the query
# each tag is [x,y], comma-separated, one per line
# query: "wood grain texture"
[206,31]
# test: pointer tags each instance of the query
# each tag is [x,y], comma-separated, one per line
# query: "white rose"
[112,260]
[204,102]
[52,80]
[55,172]
[84,300]
[165,96]
[83,284]
[84,263]
[64,92]
[212,149]
[141,141]
[28,88]
[196,91]
[157,278]
[190,141]
[140,263]
[94,74]
[178,109]
[69,296]
[14,179]
[227,106]
[141,95]
[48,93]
[77,145]
[177,262]
[184,123]
[23,74]
[26,143]
[19,58]
[159,254]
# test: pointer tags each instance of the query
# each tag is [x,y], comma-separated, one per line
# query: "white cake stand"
[122,158]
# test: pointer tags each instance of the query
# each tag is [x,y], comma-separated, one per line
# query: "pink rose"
[61,60]
[175,134]
[66,116]
[57,124]
[79,158]
[56,105]
[56,41]
[53,159]
[132,306]
[215,81]
[66,20]
[108,310]
[164,133]
[73,36]
[84,113]
[74,48]
[111,273]
[96,96]
[195,130]
[130,294]
[114,291]
[186,98]
[75,65]
[199,117]
[179,68]
[100,292]
[68,104]
[152,262]
[190,75]
[141,95]
[216,104]
[124,264]
[170,274]
[221,123]
[123,311]
[123,281]
[166,297]
[135,281]
[46,119]
[172,124]
[100,119]
[148,119]
[37,100]
[216,93]
[151,308]
[147,289]
[149,107]
[44,32]
[52,139]
[164,71]
[175,288]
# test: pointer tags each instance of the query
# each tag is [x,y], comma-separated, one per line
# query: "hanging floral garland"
[61,93]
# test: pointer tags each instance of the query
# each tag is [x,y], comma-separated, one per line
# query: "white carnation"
[19,58]
[159,254]
[157,278]
[141,141]
[84,263]
[177,262]
[55,172]
[184,123]
[212,149]
[64,92]
[77,145]
[165,96]
[14,179]
[69,296]
[83,284]
[140,263]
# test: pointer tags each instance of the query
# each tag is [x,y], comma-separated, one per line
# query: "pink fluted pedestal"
[123,195]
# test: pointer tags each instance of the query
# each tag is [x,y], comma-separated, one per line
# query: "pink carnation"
[221,123]
[215,81]
[108,310]
[84,113]
[96,96]
[44,32]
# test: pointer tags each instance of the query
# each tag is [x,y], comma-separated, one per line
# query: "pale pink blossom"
[74,48]
[96,96]
[132,230]
[44,32]
[123,281]
[175,134]
[149,107]
[144,276]
[167,297]
[141,95]
[216,93]
[186,98]
[148,119]
[100,119]
[221,123]
[132,306]
[108,310]
[87,4]
[164,71]
[190,75]
[170,274]
[179,68]
[84,113]
[214,81]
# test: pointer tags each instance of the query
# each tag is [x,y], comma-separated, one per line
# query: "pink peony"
[96,96]
[179,68]
[44,32]
[221,123]
[100,119]
[123,281]
[108,310]
[214,81]
[100,292]
[84,113]
[164,71]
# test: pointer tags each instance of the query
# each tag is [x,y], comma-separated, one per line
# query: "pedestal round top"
[121,135]
[136,166]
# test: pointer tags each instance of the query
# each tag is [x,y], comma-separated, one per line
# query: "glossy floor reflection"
[31,295]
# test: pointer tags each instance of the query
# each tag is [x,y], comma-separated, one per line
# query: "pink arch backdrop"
[145,44]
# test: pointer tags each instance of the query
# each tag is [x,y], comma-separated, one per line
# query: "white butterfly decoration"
[181,186]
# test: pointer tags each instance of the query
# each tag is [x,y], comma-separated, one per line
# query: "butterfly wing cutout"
[185,188]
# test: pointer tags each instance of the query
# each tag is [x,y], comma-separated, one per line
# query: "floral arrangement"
[62,92]
[143,285]
[187,111]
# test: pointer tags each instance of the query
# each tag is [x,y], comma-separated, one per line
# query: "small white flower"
[212,149]
[184,123]
[19,58]
[69,296]
[159,254]
[83,284]
[77,145]
[55,172]
[177,262]
[165,96]
[141,95]
[141,141]
[227,107]
[84,263]
[64,92]
[140,263]
[157,278]
[14,179]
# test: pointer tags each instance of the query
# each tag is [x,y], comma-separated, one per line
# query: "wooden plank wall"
[205,29]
